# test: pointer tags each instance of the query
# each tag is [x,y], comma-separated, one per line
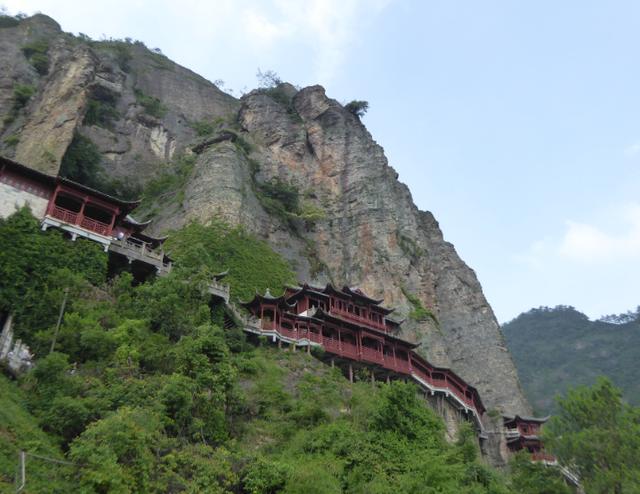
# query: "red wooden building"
[523,433]
[81,212]
[356,329]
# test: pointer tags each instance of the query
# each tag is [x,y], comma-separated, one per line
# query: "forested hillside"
[145,392]
[557,348]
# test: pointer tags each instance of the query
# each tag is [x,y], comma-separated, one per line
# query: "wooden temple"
[80,211]
[356,330]
[523,433]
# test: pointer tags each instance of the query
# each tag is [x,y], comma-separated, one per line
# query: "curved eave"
[357,293]
[525,418]
[125,206]
[267,299]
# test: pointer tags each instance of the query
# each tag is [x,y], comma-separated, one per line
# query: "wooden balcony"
[77,219]
[364,321]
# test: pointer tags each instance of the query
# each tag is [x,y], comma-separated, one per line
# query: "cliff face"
[354,223]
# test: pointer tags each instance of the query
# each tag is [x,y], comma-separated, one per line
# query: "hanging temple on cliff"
[354,331]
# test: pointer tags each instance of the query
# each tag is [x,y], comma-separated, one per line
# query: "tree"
[357,107]
[598,436]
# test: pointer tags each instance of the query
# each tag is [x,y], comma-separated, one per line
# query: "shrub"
[357,107]
[22,93]
[81,162]
[36,53]
[12,140]
[419,312]
[101,111]
[152,105]
[8,21]
[203,128]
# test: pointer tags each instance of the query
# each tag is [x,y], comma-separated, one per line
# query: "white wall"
[12,199]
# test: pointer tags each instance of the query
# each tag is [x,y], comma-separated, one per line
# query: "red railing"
[372,355]
[349,350]
[77,219]
[64,215]
[542,456]
[95,226]
[363,320]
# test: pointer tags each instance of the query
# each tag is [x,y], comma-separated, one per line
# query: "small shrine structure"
[80,211]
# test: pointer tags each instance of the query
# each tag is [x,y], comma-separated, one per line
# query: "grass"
[20,431]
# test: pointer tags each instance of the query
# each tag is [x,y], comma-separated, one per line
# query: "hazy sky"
[517,124]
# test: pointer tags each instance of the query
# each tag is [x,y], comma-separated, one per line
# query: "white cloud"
[633,149]
[591,244]
[193,30]
[326,27]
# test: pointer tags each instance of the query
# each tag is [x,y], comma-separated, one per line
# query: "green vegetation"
[536,478]
[19,429]
[169,186]
[273,86]
[152,105]
[82,163]
[204,128]
[409,246]
[357,107]
[283,200]
[36,53]
[35,267]
[146,393]
[598,435]
[12,140]
[216,247]
[556,348]
[8,20]
[101,111]
[22,93]
[419,312]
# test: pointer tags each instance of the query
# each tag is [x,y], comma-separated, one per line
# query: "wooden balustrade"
[77,219]
[350,351]
[363,320]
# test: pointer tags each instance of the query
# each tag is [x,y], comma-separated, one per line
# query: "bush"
[357,107]
[101,112]
[12,140]
[82,162]
[152,105]
[8,21]
[22,93]
[36,53]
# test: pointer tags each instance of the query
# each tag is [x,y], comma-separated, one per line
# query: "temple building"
[356,331]
[81,212]
[523,433]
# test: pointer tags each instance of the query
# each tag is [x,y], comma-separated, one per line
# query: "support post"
[350,373]
[333,364]
[23,473]
[373,378]
[309,348]
[279,343]
[57,330]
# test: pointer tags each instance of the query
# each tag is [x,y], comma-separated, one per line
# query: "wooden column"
[350,373]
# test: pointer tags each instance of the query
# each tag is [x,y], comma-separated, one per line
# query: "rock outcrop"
[355,223]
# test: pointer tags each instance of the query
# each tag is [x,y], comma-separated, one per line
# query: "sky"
[516,123]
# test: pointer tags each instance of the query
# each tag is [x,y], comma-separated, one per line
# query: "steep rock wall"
[370,234]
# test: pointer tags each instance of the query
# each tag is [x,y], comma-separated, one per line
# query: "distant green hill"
[555,348]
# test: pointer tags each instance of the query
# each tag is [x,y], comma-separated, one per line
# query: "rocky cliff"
[293,166]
